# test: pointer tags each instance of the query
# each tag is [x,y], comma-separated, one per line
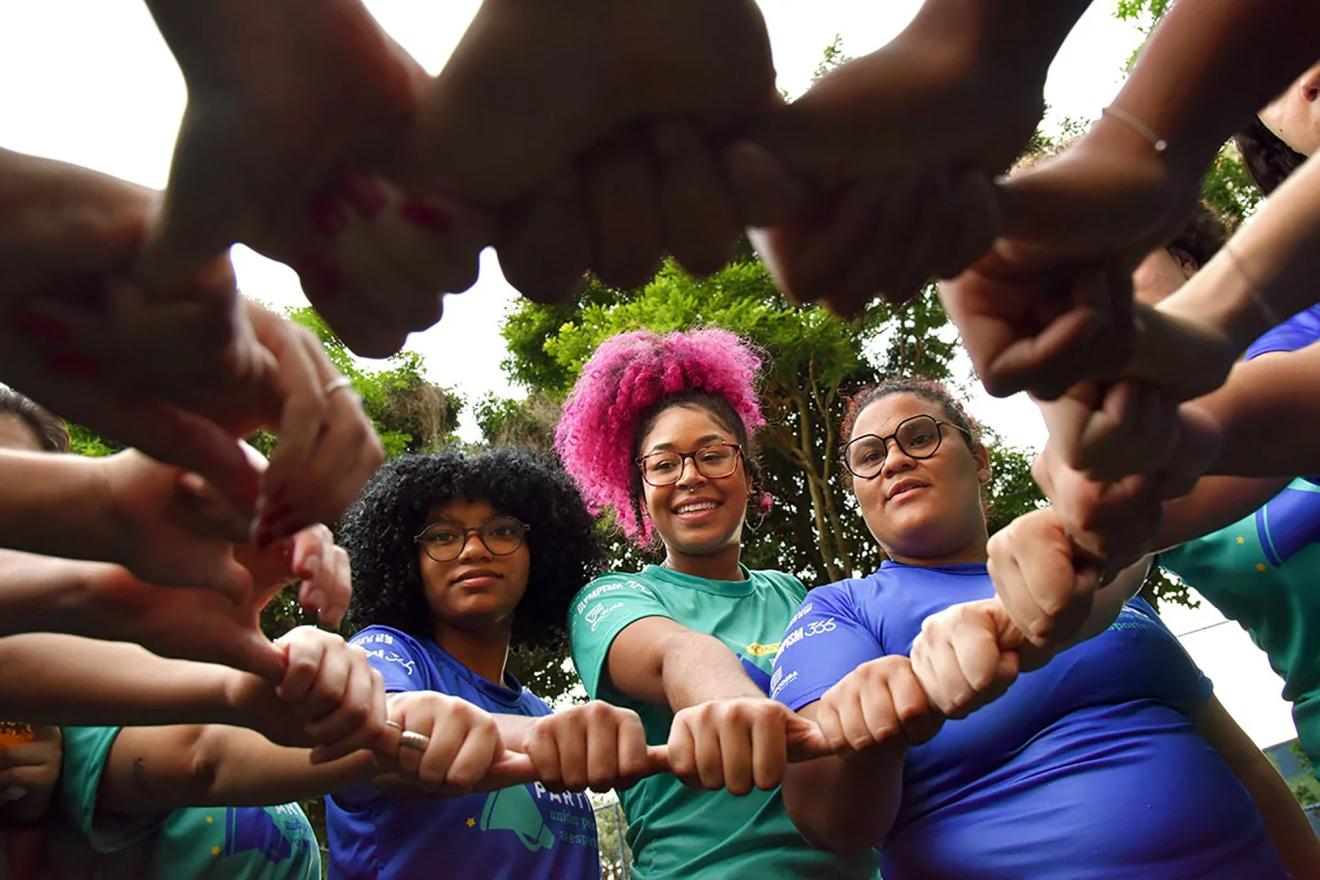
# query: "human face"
[478,591]
[1162,272]
[1295,115]
[695,516]
[923,511]
[17,435]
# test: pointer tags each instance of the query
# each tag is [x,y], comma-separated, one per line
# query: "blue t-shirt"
[518,833]
[1090,767]
[1299,331]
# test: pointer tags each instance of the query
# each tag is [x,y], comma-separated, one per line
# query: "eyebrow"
[702,441]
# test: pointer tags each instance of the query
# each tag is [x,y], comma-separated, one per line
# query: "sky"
[91,82]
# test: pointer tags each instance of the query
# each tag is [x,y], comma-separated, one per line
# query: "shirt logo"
[763,649]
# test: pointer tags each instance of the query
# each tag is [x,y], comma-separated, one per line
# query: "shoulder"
[778,581]
[631,584]
[378,635]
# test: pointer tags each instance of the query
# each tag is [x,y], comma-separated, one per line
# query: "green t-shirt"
[1262,572]
[676,831]
[218,843]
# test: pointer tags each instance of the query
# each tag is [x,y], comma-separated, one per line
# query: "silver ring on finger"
[336,384]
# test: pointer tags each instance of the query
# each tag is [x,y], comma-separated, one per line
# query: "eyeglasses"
[917,437]
[501,535]
[713,462]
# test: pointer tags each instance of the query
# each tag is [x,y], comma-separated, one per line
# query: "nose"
[690,476]
[896,460]
[474,547]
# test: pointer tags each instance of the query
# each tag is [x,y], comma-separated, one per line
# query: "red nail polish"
[426,215]
[46,329]
[328,215]
[364,195]
[74,366]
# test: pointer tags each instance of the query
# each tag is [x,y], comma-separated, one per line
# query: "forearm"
[1268,405]
[697,668]
[845,806]
[1285,823]
[51,499]
[43,594]
[1214,503]
[162,768]
[58,679]
[1267,272]
[1023,34]
[1210,65]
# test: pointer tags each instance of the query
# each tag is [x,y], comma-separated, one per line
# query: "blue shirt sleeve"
[396,656]
[826,640]
[1297,332]
[1203,687]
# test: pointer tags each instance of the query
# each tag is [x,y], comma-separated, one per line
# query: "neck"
[485,653]
[973,552]
[719,565]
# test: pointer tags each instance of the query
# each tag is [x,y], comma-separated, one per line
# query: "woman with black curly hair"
[455,558]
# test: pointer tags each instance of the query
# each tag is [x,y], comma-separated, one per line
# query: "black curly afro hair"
[378,534]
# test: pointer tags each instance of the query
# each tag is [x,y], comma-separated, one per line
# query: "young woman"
[456,558]
[1113,760]
[659,433]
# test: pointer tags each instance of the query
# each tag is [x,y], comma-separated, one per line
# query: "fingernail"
[328,215]
[316,600]
[364,195]
[42,328]
[426,215]
[73,365]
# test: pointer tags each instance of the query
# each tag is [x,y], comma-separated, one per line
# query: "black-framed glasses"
[917,437]
[713,462]
[502,535]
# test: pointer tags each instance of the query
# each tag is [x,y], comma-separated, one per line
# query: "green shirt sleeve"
[600,611]
[86,750]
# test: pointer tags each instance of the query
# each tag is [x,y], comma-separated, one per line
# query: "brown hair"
[51,431]
[1267,158]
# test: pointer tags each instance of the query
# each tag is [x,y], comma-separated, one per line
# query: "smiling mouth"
[695,507]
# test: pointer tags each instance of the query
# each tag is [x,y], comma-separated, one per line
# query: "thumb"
[657,760]
[250,651]
[508,768]
[806,742]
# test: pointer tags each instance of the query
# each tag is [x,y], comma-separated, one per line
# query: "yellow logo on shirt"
[757,649]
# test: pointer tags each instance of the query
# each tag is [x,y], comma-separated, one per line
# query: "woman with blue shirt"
[455,559]
[1107,762]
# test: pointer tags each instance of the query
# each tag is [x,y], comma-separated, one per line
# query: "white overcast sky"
[91,82]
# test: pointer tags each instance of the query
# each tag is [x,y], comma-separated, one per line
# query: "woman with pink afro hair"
[659,432]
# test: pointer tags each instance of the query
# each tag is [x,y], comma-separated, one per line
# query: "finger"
[1062,593]
[1052,360]
[330,689]
[366,730]
[973,208]
[765,192]
[729,763]
[350,722]
[682,751]
[710,746]
[338,589]
[572,742]
[699,219]
[303,660]
[602,751]
[976,651]
[847,230]
[622,198]
[508,769]
[250,651]
[448,733]
[545,242]
[212,509]
[634,758]
[1006,575]
[472,761]
[918,719]
[831,726]
[769,750]
[543,749]
[879,717]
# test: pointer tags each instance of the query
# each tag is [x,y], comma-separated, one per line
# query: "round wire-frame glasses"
[714,462]
[501,535]
[917,437]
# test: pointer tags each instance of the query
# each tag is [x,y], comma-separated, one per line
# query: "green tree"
[813,360]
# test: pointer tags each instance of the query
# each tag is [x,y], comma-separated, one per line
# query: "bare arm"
[845,806]
[667,664]
[1267,271]
[151,769]
[1269,403]
[1285,823]
[1214,503]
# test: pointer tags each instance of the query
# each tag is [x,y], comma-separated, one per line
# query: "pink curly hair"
[627,376]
